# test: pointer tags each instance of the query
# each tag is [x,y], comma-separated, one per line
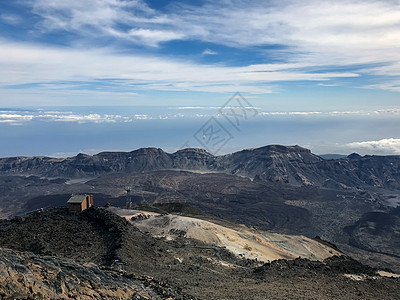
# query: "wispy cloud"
[154,37]
[328,33]
[390,85]
[309,41]
[27,64]
[209,52]
[11,19]
[337,29]
[328,84]
[357,31]
[131,20]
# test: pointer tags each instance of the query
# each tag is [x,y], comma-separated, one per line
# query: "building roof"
[77,199]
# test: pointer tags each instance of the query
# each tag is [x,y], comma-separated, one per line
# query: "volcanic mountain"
[275,163]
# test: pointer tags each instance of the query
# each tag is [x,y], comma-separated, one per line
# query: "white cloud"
[383,146]
[12,117]
[356,30]
[142,117]
[209,52]
[216,107]
[390,85]
[315,36]
[26,64]
[315,33]
[90,118]
[154,37]
[133,20]
[329,84]
[18,118]
[291,113]
[10,19]
[380,113]
[320,33]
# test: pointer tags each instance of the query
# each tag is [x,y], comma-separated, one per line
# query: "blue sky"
[285,55]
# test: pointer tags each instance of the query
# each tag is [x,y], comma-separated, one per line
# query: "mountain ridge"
[293,165]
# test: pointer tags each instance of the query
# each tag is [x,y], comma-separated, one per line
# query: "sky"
[331,63]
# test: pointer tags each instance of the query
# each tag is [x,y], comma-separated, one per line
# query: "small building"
[78,203]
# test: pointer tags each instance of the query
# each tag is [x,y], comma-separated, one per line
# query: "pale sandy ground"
[362,277]
[244,242]
[388,274]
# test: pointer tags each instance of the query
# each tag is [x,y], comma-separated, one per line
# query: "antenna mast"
[128,196]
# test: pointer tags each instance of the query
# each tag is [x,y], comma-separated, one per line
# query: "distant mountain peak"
[193,150]
[280,148]
[148,151]
[354,156]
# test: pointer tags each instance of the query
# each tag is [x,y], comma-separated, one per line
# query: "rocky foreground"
[24,275]
[97,254]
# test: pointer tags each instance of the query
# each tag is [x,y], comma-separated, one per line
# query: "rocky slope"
[287,164]
[377,232]
[24,275]
[119,261]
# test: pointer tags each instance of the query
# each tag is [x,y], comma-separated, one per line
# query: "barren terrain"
[181,268]
[241,241]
